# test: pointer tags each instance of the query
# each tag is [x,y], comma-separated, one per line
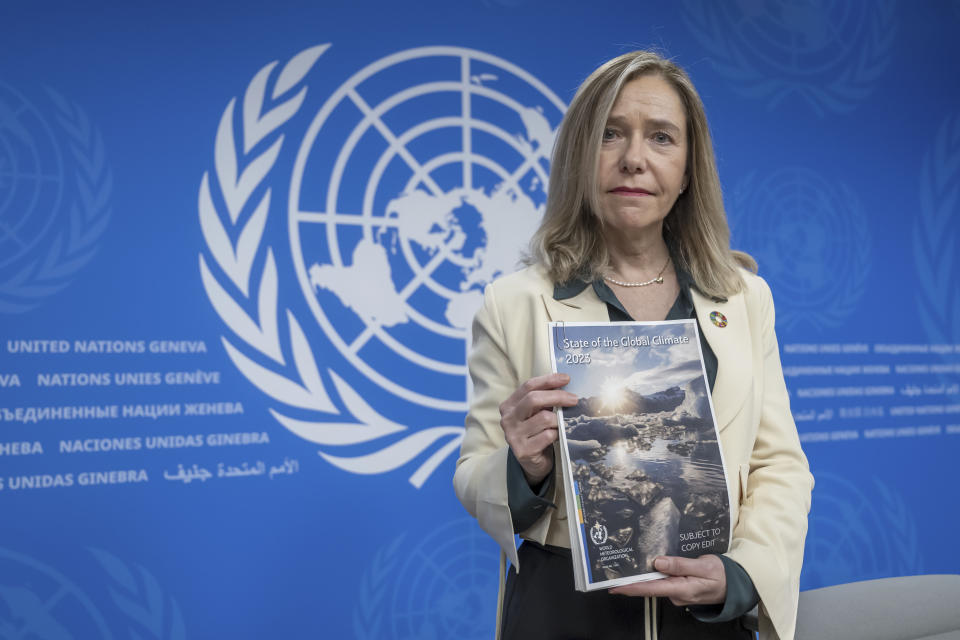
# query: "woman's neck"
[637,256]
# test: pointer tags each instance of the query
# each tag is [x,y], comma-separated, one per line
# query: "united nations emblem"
[829,55]
[38,601]
[414,184]
[812,240]
[55,188]
[859,532]
[404,597]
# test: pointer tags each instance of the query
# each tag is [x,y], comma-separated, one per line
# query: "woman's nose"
[634,159]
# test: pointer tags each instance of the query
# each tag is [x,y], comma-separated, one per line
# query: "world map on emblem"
[420,180]
[463,227]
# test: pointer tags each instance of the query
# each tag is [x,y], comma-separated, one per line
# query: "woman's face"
[642,164]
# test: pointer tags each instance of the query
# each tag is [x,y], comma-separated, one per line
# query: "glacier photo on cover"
[642,444]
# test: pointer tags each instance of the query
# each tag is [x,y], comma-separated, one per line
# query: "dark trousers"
[541,603]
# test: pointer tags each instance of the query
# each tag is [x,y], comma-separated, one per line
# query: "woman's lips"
[628,191]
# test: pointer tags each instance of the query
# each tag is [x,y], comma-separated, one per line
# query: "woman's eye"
[661,137]
[609,134]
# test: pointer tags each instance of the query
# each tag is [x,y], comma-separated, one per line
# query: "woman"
[634,229]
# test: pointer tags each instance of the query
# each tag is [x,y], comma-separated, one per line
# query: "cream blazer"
[765,465]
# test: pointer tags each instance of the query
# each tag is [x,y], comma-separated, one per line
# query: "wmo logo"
[413,184]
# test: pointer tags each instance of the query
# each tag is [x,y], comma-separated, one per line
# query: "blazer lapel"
[731,345]
[583,307]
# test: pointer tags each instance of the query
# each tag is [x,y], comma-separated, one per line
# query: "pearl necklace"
[657,280]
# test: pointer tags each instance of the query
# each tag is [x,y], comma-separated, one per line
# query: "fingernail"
[660,564]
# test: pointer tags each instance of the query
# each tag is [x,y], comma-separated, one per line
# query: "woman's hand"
[691,581]
[530,425]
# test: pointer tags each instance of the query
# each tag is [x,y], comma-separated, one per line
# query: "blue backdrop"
[240,246]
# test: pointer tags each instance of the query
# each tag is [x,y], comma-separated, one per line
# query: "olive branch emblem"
[369,618]
[234,204]
[935,234]
[136,592]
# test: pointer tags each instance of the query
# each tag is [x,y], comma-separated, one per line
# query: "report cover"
[642,466]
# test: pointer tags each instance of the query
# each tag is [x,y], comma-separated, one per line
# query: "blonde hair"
[568,243]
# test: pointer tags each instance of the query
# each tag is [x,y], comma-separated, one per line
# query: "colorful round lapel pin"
[718,319]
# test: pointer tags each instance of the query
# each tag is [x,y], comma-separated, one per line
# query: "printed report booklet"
[642,467]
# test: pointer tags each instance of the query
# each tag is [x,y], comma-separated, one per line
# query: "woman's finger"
[663,588]
[546,382]
[533,435]
[536,443]
[530,425]
[681,590]
[710,566]
[538,400]
[691,581]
